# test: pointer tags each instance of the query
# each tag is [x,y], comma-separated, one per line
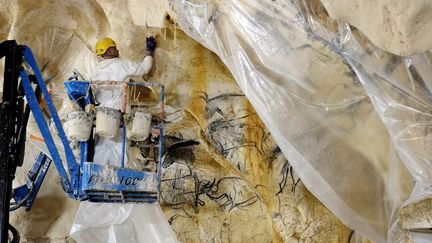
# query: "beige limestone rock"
[400,27]
[151,13]
[235,186]
[417,215]
[237,201]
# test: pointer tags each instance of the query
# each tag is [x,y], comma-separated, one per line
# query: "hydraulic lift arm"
[13,122]
[83,181]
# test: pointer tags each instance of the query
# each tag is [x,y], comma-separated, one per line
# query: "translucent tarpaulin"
[345,113]
[116,223]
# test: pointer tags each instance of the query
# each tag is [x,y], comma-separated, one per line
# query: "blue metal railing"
[162,103]
[71,185]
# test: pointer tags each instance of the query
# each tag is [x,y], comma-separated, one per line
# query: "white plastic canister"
[107,121]
[138,126]
[79,125]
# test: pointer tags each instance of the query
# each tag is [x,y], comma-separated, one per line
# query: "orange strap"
[36,138]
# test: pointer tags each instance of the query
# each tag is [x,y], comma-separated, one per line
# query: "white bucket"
[138,126]
[79,125]
[107,122]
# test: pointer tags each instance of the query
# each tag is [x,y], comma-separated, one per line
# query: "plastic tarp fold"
[353,120]
[114,223]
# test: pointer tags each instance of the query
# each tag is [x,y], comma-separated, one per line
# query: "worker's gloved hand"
[151,45]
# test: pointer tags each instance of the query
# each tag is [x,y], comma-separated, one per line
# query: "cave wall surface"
[352,118]
[266,101]
[400,27]
[225,179]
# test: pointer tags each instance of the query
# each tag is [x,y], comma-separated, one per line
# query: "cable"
[15,234]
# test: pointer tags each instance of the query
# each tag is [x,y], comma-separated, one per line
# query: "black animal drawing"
[233,192]
[182,185]
[227,124]
[286,173]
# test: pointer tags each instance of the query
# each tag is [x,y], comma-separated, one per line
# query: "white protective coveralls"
[109,151]
[118,223]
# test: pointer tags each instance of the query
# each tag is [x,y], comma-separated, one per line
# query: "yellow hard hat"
[103,44]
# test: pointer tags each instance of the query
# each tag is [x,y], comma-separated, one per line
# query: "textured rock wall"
[231,183]
[400,27]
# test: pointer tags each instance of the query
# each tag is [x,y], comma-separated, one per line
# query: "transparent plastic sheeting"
[353,121]
[118,223]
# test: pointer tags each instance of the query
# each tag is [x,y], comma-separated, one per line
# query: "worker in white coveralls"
[110,222]
[108,151]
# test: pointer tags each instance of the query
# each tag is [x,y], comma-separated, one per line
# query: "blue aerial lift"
[23,89]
